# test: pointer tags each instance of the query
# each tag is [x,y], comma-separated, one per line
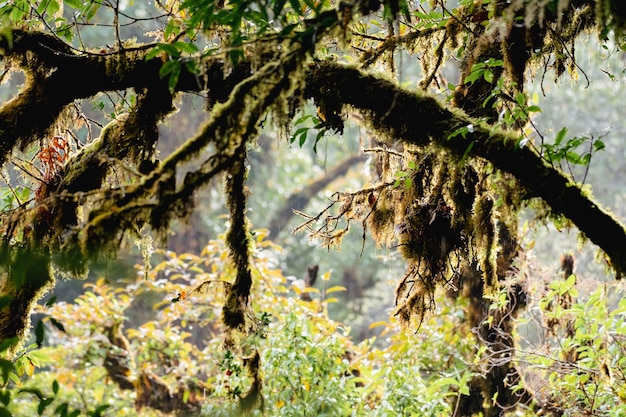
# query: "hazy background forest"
[355,283]
[588,106]
[369,274]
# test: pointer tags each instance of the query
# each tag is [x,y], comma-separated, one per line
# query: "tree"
[453,174]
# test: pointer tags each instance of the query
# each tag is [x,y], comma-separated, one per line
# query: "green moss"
[24,278]
[381,225]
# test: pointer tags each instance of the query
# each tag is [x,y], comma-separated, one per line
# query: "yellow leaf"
[300,290]
[261,234]
[377,324]
[535,98]
[29,368]
[326,275]
[336,288]
[331,300]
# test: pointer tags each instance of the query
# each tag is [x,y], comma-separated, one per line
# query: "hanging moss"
[414,297]
[381,221]
[486,238]
[611,15]
[252,398]
[24,278]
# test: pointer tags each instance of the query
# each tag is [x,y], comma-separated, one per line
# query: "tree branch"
[301,198]
[57,75]
[418,118]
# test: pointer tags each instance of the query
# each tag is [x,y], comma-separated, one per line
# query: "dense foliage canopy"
[455,157]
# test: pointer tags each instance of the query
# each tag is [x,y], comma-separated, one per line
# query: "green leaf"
[302,137]
[300,134]
[40,332]
[169,49]
[43,404]
[57,324]
[75,4]
[533,109]
[585,159]
[303,119]
[172,28]
[572,157]
[6,368]
[288,29]
[168,68]
[467,151]
[90,9]
[5,300]
[51,301]
[187,47]
[38,358]
[49,7]
[4,412]
[5,397]
[493,63]
[560,136]
[191,66]
[474,75]
[319,136]
[98,411]
[61,409]
[598,145]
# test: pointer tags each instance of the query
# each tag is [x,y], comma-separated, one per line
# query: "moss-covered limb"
[178,203]
[390,44]
[233,122]
[131,138]
[420,119]
[279,80]
[24,278]
[55,77]
[156,198]
[238,241]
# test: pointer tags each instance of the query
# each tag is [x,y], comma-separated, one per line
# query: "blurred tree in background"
[425,125]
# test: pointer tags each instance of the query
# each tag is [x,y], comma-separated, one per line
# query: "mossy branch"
[420,119]
[238,241]
[24,278]
[55,77]
[156,199]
